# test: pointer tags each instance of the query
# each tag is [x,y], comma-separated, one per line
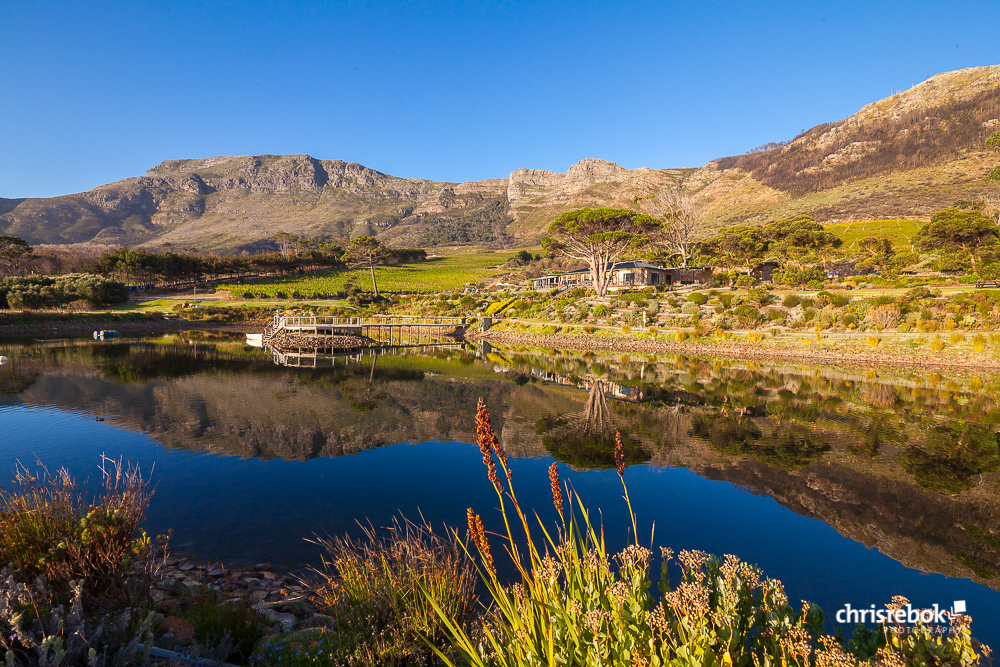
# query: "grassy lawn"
[902,232]
[167,305]
[436,274]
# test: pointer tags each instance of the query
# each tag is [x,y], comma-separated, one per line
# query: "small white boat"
[106,334]
[255,340]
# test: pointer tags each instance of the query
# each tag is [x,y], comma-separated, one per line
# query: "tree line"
[139,266]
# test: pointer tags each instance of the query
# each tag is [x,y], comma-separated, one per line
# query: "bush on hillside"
[37,292]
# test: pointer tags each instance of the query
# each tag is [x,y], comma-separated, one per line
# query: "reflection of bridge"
[321,359]
[379,327]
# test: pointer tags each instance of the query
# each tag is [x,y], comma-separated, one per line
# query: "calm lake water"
[849,485]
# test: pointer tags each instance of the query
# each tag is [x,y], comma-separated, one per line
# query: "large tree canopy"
[600,237]
[366,252]
[789,238]
[971,233]
[739,245]
[15,253]
[794,238]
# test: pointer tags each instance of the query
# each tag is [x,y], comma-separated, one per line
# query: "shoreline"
[84,327]
[733,350]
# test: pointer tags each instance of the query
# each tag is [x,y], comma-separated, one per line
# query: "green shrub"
[993,141]
[745,281]
[994,175]
[601,310]
[690,309]
[697,298]
[747,316]
[759,296]
[721,279]
[804,276]
[37,292]
[790,301]
[49,527]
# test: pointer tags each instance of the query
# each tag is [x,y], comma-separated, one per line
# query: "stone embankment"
[740,350]
[282,600]
[291,341]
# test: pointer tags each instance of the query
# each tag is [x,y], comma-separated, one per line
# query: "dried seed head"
[478,535]
[619,454]
[487,441]
[557,498]
[898,602]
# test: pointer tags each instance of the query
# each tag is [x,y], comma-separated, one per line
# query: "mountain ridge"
[905,155]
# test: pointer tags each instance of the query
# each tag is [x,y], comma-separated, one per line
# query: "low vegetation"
[436,274]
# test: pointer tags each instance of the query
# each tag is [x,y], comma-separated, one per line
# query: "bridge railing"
[292,321]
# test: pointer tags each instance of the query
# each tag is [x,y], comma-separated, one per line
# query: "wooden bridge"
[384,328]
[322,359]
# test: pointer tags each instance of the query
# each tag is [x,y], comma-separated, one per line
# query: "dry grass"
[48,527]
[377,589]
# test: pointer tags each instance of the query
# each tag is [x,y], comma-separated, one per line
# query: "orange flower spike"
[487,442]
[619,454]
[478,534]
[557,498]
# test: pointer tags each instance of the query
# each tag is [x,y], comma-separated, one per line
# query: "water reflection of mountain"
[906,464]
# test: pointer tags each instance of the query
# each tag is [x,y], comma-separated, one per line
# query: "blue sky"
[95,92]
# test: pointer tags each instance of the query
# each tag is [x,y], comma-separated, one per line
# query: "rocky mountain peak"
[594,170]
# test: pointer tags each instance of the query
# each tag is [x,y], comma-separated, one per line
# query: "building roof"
[617,266]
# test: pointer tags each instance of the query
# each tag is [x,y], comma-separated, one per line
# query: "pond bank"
[291,341]
[737,350]
[281,599]
[83,327]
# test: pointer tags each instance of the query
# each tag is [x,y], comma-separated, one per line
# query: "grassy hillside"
[901,232]
[436,274]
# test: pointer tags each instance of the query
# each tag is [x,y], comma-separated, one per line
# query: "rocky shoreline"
[734,350]
[289,341]
[281,599]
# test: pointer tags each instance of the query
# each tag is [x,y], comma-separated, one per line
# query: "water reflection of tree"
[785,445]
[587,438]
[14,382]
[873,432]
[952,456]
[362,394]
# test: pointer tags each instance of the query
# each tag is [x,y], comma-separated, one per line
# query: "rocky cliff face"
[907,155]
